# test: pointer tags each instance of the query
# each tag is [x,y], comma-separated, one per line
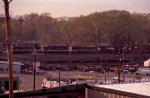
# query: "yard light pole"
[105,72]
[9,52]
[34,68]
[99,51]
[119,65]
[123,62]
[105,76]
[59,74]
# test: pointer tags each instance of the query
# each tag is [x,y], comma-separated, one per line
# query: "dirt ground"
[26,80]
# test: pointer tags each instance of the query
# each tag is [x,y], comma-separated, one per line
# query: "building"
[147,63]
[4,83]
[16,67]
[2,18]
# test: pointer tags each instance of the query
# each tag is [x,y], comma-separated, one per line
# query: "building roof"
[2,15]
[137,88]
[147,59]
[14,63]
[7,78]
[60,92]
[105,44]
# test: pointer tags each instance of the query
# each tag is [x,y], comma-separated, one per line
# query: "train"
[76,50]
[64,49]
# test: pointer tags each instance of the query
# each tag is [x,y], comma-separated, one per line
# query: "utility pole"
[9,52]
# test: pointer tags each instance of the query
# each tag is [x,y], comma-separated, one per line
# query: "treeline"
[119,28]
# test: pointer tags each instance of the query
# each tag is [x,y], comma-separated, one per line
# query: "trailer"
[143,71]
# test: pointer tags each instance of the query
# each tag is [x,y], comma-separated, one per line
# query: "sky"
[70,8]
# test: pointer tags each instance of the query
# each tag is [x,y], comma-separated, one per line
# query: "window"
[6,85]
[15,85]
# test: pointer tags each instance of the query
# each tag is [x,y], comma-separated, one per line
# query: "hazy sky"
[59,8]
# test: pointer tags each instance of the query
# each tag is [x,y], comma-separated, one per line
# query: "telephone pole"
[9,52]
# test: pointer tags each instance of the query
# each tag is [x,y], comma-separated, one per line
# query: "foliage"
[119,28]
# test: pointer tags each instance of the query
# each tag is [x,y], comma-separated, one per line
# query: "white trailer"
[145,71]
